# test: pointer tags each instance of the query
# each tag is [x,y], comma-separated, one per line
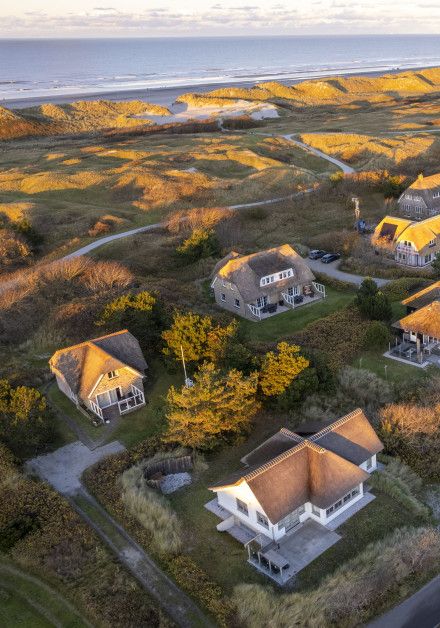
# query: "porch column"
[419,349]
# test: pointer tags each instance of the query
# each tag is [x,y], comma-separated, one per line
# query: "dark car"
[329,258]
[316,254]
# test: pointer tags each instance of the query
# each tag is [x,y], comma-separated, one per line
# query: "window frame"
[262,520]
[242,506]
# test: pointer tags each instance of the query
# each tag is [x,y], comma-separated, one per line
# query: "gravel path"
[63,468]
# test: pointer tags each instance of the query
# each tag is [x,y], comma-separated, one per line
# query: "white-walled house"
[289,480]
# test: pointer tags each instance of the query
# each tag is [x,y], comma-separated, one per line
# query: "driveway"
[332,270]
[63,468]
[421,610]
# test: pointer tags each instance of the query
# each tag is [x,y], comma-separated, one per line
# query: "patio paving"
[300,548]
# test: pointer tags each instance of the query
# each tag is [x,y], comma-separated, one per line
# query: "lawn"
[27,601]
[63,405]
[388,369]
[149,420]
[282,325]
[372,523]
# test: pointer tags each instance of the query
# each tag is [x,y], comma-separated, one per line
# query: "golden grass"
[366,150]
[71,162]
[52,156]
[48,181]
[15,211]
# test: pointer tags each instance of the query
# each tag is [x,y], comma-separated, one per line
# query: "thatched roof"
[351,437]
[246,271]
[391,230]
[424,297]
[83,364]
[287,471]
[426,321]
[425,187]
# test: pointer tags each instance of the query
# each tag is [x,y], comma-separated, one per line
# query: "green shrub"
[200,244]
[339,336]
[377,335]
[401,288]
[372,302]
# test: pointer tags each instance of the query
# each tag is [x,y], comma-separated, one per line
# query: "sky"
[155,18]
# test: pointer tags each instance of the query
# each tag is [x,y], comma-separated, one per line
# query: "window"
[436,194]
[242,507]
[348,497]
[316,511]
[223,296]
[432,242]
[262,520]
[112,374]
[261,301]
[237,302]
[293,291]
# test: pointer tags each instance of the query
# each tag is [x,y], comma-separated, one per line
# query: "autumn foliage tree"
[217,407]
[280,368]
[199,336]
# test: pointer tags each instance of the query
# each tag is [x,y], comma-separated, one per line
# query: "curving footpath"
[346,169]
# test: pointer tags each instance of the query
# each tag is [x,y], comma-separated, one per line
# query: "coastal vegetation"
[74,173]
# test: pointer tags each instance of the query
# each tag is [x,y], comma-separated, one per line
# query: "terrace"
[406,351]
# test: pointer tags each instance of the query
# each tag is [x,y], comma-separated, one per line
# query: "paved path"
[63,469]
[346,169]
[421,610]
[332,271]
[179,606]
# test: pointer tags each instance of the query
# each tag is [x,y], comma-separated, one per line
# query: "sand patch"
[207,111]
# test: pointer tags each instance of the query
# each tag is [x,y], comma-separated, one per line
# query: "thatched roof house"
[424,322]
[410,242]
[422,198]
[247,284]
[104,375]
[288,472]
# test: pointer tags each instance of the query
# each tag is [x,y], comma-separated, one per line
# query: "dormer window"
[436,194]
[283,274]
[112,374]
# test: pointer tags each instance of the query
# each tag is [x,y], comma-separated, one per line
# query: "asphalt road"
[421,610]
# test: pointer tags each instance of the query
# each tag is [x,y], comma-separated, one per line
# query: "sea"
[58,70]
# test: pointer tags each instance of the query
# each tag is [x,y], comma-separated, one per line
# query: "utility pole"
[357,211]
[188,381]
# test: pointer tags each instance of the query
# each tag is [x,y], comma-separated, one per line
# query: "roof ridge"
[292,435]
[88,342]
[286,454]
[335,424]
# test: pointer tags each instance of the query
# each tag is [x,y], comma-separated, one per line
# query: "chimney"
[420,177]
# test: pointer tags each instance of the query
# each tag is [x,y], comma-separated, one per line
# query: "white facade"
[241,503]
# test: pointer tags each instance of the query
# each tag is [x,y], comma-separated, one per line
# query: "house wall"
[65,388]
[227,499]
[125,378]
[412,204]
[373,467]
[410,256]
[231,293]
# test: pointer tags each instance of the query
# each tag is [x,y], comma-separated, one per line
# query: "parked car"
[316,254]
[329,258]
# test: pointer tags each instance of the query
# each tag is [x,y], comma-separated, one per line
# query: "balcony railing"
[131,401]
